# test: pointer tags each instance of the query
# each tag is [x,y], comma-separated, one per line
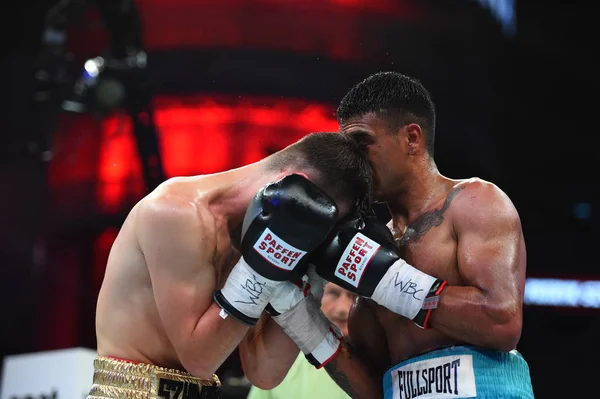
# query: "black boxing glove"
[360,255]
[284,223]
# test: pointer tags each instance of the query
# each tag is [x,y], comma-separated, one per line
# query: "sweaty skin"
[170,255]
[489,259]
[173,251]
[467,232]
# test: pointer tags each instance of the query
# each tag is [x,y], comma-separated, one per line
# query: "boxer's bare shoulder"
[162,262]
[467,203]
[482,199]
[189,203]
[177,215]
[175,206]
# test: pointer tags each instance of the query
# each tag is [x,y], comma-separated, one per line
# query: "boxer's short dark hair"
[396,98]
[340,162]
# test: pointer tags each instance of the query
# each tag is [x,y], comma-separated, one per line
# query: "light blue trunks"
[460,372]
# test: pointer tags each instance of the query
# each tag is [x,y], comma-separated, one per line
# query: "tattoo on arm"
[337,375]
[340,378]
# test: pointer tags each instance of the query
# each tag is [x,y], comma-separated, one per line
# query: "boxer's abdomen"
[406,340]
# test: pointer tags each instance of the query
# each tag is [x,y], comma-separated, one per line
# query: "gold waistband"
[120,379]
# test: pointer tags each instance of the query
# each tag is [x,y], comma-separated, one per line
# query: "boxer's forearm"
[469,315]
[267,354]
[211,341]
[353,376]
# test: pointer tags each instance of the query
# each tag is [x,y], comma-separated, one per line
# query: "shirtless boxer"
[198,249]
[440,312]
[444,313]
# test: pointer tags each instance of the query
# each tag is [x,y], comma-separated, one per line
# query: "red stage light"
[199,135]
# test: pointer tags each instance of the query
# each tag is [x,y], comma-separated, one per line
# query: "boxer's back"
[127,321]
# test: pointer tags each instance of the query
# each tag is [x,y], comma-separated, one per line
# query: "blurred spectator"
[303,380]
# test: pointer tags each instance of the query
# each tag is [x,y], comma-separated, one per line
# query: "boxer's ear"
[287,173]
[415,137]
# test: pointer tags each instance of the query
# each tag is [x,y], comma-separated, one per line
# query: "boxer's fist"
[360,255]
[356,255]
[285,221]
[283,225]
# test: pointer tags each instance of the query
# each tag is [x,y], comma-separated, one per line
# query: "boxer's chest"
[433,251]
[430,246]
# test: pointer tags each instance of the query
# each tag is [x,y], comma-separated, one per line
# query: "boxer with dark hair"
[440,313]
[197,261]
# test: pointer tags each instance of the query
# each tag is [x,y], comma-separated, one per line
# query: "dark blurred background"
[197,86]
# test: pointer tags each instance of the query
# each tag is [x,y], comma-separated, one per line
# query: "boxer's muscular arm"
[175,240]
[361,376]
[487,310]
[267,353]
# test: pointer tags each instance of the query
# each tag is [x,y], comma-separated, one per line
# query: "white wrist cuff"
[308,327]
[403,289]
[327,349]
[286,296]
[248,291]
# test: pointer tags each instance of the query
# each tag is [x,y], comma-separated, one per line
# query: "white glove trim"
[247,291]
[286,296]
[403,289]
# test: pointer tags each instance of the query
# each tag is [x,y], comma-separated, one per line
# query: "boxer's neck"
[234,189]
[422,187]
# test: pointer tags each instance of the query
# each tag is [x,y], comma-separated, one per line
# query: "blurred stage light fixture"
[116,80]
[102,86]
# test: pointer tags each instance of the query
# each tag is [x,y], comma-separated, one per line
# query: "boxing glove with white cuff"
[284,223]
[360,255]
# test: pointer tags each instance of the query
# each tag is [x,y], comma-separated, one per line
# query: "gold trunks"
[121,379]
